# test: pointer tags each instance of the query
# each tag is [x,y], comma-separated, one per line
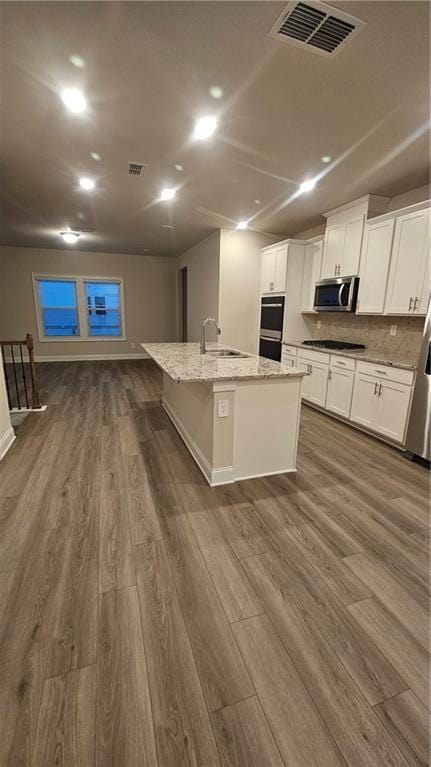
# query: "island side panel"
[267,417]
[190,406]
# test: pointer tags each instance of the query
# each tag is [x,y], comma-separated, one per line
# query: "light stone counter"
[238,417]
[184,364]
[394,359]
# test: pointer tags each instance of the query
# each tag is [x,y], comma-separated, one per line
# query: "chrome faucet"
[208,321]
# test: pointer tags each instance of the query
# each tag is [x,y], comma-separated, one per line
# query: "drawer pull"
[381,372]
[338,362]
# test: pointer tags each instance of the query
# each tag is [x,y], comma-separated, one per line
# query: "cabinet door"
[280,269]
[319,383]
[407,264]
[374,268]
[306,381]
[353,232]
[364,400]
[333,250]
[312,271]
[393,403]
[268,271]
[339,394]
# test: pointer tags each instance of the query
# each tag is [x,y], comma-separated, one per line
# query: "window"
[59,307]
[81,308]
[103,302]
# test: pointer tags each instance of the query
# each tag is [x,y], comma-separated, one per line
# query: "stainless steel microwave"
[338,294]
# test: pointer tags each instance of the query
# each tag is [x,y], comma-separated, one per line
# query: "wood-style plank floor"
[147,619]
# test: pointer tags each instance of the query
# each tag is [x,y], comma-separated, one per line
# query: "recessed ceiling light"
[307,186]
[179,168]
[204,128]
[257,202]
[70,237]
[74,100]
[242,225]
[326,158]
[168,194]
[216,92]
[167,226]
[96,156]
[87,184]
[77,61]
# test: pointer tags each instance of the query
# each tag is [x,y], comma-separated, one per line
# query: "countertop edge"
[375,358]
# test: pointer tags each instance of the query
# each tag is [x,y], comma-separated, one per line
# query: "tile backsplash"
[370,330]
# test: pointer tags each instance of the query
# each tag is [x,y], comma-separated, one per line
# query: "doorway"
[182,304]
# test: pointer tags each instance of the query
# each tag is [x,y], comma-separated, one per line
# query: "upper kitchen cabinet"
[274,269]
[408,282]
[312,272]
[344,234]
[374,267]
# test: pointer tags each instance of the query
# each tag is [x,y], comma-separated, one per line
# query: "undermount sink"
[225,353]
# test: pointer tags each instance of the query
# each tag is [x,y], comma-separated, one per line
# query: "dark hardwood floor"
[147,619]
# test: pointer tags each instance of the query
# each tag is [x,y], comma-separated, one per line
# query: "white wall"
[202,262]
[239,297]
[6,431]
[149,289]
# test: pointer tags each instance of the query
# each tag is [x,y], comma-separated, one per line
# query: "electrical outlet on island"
[393,330]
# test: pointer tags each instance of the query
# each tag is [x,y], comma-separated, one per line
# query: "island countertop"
[183,363]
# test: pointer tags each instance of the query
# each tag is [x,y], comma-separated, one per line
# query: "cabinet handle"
[416,302]
[271,286]
[329,375]
[410,303]
[380,390]
[381,372]
[376,387]
[338,362]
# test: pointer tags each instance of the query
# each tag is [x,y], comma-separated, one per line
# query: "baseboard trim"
[90,357]
[266,474]
[222,476]
[6,441]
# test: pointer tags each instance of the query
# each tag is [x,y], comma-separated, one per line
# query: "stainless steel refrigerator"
[418,431]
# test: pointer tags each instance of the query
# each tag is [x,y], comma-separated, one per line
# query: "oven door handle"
[269,306]
[267,338]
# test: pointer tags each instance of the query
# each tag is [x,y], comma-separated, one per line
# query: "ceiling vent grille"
[316,26]
[136,168]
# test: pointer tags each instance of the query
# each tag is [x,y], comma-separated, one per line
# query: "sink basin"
[225,353]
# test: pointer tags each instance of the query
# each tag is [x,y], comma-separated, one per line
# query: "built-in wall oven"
[338,294]
[271,327]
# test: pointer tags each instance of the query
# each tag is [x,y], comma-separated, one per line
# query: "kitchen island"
[238,415]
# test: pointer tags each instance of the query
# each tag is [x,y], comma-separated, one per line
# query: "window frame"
[81,298]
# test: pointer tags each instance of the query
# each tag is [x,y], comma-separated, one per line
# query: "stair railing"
[17,385]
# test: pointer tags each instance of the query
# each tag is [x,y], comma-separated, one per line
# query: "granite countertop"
[184,364]
[395,359]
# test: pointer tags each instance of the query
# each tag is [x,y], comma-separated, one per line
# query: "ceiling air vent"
[136,168]
[316,26]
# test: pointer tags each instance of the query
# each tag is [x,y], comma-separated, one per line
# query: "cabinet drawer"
[344,363]
[290,350]
[386,372]
[312,356]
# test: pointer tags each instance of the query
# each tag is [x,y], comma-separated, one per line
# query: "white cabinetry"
[312,271]
[344,233]
[374,268]
[314,386]
[340,386]
[382,404]
[274,269]
[408,284]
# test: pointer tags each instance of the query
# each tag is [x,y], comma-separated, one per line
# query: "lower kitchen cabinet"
[382,406]
[339,393]
[314,386]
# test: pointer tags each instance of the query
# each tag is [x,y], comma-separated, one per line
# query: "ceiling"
[148,70]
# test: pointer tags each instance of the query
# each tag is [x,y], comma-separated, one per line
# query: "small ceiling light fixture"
[257,202]
[179,168]
[242,225]
[326,158]
[216,92]
[77,61]
[70,237]
[96,156]
[204,128]
[74,100]
[87,184]
[168,194]
[307,186]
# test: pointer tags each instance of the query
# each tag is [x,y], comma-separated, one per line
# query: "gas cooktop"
[334,344]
